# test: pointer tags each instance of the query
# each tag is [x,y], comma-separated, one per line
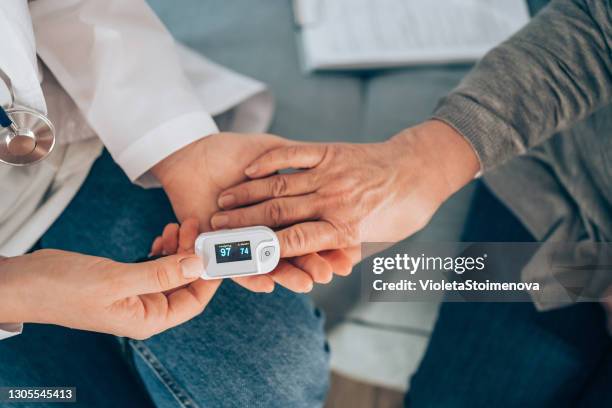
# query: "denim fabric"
[52,356]
[508,354]
[245,350]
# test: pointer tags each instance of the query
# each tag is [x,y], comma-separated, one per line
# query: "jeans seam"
[163,375]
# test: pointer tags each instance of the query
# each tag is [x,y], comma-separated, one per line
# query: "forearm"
[549,75]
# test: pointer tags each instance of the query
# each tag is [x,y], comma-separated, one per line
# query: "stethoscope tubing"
[5,120]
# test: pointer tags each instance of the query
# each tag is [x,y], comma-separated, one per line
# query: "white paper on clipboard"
[356,34]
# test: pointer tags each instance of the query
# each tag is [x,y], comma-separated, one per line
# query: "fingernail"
[219,221]
[192,267]
[226,200]
[251,170]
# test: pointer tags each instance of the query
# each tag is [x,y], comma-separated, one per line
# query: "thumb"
[163,274]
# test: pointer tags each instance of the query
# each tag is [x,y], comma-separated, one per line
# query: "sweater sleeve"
[556,71]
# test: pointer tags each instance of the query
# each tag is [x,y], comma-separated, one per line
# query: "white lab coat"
[111,75]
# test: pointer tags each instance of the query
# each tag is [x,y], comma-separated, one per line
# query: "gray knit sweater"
[537,111]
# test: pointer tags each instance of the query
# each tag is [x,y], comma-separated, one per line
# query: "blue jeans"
[246,349]
[508,354]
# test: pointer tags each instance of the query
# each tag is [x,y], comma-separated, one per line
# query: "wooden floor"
[348,393]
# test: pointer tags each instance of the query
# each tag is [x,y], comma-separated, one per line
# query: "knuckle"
[279,186]
[244,194]
[314,179]
[296,239]
[347,234]
[326,203]
[320,205]
[292,152]
[347,200]
[162,276]
[242,219]
[327,152]
[274,213]
[349,184]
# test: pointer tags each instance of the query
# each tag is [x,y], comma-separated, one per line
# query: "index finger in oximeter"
[238,252]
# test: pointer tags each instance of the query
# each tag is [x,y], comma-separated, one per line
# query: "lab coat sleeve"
[18,61]
[10,329]
[18,56]
[118,62]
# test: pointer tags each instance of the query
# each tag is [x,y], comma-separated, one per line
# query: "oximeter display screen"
[233,251]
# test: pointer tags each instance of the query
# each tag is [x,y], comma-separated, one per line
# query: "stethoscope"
[26,136]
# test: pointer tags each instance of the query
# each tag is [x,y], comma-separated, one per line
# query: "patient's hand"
[295,274]
[194,176]
[347,193]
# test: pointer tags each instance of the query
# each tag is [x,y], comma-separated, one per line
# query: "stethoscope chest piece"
[26,136]
[28,139]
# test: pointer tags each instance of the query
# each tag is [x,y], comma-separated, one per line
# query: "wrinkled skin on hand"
[348,193]
[194,177]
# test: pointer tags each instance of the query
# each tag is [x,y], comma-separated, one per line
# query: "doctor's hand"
[346,194]
[194,177]
[294,274]
[97,294]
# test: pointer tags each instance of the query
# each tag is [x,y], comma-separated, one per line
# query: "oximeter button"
[267,253]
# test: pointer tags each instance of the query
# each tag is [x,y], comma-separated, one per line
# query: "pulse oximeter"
[238,252]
